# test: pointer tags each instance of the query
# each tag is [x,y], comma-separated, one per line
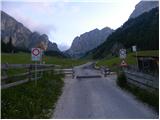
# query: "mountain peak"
[143,6]
[88,41]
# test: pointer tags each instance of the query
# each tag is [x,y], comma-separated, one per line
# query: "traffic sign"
[123,64]
[36,54]
[134,48]
[122,53]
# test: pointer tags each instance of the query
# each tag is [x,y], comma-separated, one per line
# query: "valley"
[105,73]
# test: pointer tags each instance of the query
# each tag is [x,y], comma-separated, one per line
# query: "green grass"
[15,71]
[17,58]
[30,101]
[25,58]
[130,59]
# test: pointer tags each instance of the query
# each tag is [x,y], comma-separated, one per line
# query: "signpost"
[36,56]
[122,55]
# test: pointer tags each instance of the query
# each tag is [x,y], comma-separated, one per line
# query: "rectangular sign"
[36,54]
[134,48]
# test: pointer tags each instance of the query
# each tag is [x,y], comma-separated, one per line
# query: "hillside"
[142,31]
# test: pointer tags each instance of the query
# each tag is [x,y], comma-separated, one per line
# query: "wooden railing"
[9,80]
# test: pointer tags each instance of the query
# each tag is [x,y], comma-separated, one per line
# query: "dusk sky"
[63,20]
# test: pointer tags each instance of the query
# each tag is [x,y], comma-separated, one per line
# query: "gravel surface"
[98,98]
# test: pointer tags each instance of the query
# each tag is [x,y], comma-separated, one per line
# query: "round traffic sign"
[36,51]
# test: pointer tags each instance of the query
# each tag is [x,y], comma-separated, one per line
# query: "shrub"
[121,80]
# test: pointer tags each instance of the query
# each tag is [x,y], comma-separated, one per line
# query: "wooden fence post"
[29,71]
[105,72]
[72,73]
[52,71]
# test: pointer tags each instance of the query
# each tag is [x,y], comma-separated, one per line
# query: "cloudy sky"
[63,20]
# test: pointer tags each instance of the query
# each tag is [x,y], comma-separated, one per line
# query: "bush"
[121,80]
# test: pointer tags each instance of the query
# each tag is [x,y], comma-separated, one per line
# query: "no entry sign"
[36,54]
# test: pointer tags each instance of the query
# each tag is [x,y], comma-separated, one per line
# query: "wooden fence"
[26,73]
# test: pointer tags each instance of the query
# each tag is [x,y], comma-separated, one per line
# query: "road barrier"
[142,80]
[89,76]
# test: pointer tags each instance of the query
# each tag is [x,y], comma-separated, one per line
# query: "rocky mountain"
[88,41]
[144,6]
[21,36]
[142,31]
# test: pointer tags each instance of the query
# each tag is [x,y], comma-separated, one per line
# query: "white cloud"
[63,47]
[27,21]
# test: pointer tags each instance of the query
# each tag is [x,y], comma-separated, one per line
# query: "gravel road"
[98,98]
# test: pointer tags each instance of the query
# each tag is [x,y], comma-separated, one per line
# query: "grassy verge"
[25,58]
[30,101]
[151,98]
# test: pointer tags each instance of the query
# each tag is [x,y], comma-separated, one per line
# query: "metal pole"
[36,73]
[137,59]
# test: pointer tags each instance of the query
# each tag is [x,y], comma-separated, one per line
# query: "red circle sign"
[35,51]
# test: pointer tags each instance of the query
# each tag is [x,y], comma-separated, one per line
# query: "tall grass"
[32,101]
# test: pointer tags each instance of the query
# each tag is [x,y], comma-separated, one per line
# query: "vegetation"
[25,58]
[15,71]
[122,82]
[142,31]
[9,48]
[149,97]
[30,101]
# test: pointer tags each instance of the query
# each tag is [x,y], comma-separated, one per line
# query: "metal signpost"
[122,55]
[36,56]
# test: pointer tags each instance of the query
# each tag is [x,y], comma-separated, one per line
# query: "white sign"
[134,48]
[122,53]
[36,54]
